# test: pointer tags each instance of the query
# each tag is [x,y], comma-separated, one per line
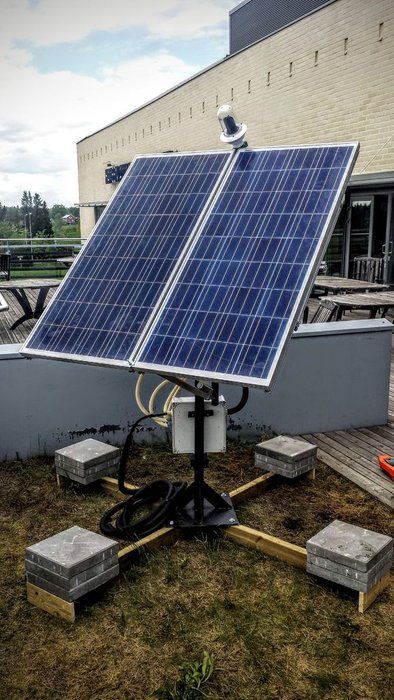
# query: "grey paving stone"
[285,447]
[87,453]
[381,567]
[283,463]
[71,551]
[350,545]
[74,581]
[81,471]
[287,469]
[352,583]
[86,480]
[78,591]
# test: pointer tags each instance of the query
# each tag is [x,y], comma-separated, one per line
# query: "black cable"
[240,405]
[166,491]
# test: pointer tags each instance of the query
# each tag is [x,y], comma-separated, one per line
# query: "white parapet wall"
[334,376]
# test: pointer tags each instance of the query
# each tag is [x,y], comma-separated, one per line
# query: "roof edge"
[205,70]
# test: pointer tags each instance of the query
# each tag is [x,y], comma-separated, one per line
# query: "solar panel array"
[110,291]
[236,300]
[200,264]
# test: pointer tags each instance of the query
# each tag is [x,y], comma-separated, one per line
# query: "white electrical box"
[183,426]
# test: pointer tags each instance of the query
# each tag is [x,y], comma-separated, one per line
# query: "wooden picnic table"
[371,302]
[18,289]
[67,261]
[336,285]
[3,304]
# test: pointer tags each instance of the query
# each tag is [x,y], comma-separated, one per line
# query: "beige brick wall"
[345,96]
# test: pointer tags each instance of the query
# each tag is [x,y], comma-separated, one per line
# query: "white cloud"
[51,22]
[44,114]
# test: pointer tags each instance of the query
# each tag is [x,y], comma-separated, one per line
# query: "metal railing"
[7,245]
[39,256]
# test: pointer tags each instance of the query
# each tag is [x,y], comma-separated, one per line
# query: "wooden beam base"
[245,536]
[365,600]
[273,546]
[166,535]
[110,486]
[254,488]
[50,603]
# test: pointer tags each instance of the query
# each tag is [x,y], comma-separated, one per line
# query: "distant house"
[69,219]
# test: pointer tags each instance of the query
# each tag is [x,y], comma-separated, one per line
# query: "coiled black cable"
[167,492]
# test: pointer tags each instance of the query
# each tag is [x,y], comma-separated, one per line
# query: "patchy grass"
[273,631]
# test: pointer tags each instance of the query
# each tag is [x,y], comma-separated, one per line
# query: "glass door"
[359,239]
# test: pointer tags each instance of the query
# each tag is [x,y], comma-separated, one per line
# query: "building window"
[122,142]
[203,107]
[179,117]
[345,45]
[290,69]
[111,146]
[106,149]
[316,58]
[381,31]
[143,133]
[151,129]
[101,151]
[129,138]
[159,126]
[135,136]
[232,94]
[191,112]
[169,121]
[249,86]
[269,78]
[217,101]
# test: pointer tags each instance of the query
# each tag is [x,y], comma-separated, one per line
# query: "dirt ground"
[274,631]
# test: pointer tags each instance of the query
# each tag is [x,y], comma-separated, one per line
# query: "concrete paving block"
[366,576]
[74,581]
[87,453]
[288,469]
[78,591]
[81,471]
[352,583]
[348,544]
[86,480]
[71,551]
[288,448]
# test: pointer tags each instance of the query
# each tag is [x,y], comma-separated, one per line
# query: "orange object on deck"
[386,462]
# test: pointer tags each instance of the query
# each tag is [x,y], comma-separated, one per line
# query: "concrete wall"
[333,376]
[344,93]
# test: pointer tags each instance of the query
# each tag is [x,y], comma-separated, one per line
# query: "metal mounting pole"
[200,505]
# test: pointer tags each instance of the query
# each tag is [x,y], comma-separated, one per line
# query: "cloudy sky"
[68,67]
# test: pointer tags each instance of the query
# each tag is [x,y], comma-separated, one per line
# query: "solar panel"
[111,290]
[239,293]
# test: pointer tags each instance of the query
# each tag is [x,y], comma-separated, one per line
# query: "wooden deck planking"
[353,454]
[7,318]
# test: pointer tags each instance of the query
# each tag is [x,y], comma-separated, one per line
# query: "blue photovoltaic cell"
[110,291]
[234,303]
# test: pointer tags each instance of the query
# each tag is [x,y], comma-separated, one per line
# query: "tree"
[26,209]
[58,210]
[47,230]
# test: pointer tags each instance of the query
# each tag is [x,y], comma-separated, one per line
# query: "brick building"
[306,71]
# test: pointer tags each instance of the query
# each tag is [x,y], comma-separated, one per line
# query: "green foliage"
[189,685]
